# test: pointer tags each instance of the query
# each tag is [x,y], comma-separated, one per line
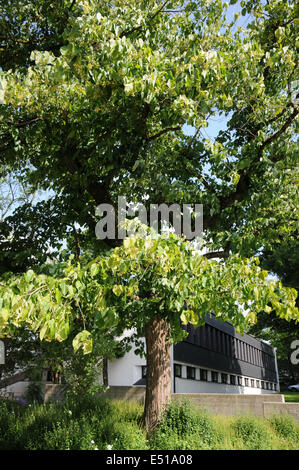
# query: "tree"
[150,283]
[283,261]
[84,120]
[104,114]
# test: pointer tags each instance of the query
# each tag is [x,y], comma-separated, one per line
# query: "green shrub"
[11,425]
[128,411]
[285,426]
[76,435]
[92,405]
[90,422]
[183,427]
[180,417]
[128,436]
[253,432]
[34,392]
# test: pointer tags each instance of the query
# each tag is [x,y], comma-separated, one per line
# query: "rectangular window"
[275,387]
[252,383]
[246,382]
[144,372]
[177,370]
[258,384]
[214,376]
[240,381]
[203,375]
[233,380]
[263,384]
[224,378]
[191,373]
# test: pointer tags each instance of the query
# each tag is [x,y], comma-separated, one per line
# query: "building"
[213,358]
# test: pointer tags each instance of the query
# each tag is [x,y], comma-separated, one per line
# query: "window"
[143,373]
[263,384]
[203,375]
[233,380]
[275,386]
[252,383]
[191,373]
[240,381]
[177,370]
[246,382]
[214,376]
[258,384]
[224,378]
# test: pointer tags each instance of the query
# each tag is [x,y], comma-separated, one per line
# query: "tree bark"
[19,377]
[105,372]
[158,371]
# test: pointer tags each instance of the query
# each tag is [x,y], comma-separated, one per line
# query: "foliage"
[184,427]
[81,375]
[34,392]
[253,433]
[95,104]
[285,426]
[93,423]
[282,260]
[146,276]
[96,98]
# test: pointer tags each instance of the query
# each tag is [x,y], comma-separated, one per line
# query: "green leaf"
[83,340]
[43,331]
[58,295]
[118,290]
[29,275]
[94,270]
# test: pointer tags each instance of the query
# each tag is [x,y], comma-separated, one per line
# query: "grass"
[291,397]
[93,423]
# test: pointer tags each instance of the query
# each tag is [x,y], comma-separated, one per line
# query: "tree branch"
[217,254]
[164,131]
[278,133]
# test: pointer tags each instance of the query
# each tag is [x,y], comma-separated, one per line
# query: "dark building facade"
[217,350]
[213,358]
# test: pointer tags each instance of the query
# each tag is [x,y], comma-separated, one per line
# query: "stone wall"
[216,403]
[231,404]
[53,392]
[222,404]
[271,409]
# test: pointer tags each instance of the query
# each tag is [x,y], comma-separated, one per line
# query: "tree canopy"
[97,100]
[100,106]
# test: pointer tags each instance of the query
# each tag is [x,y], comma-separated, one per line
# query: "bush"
[34,393]
[91,422]
[127,436]
[253,432]
[285,426]
[185,427]
[75,435]
[128,411]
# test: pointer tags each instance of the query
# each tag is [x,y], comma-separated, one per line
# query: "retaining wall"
[218,403]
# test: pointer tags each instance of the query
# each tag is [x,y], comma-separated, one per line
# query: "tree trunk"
[105,372]
[158,371]
[19,377]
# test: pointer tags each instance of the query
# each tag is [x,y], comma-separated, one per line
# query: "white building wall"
[18,389]
[126,370]
[184,385]
[195,386]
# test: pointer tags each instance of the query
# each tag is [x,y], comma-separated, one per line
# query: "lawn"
[292,397]
[91,423]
